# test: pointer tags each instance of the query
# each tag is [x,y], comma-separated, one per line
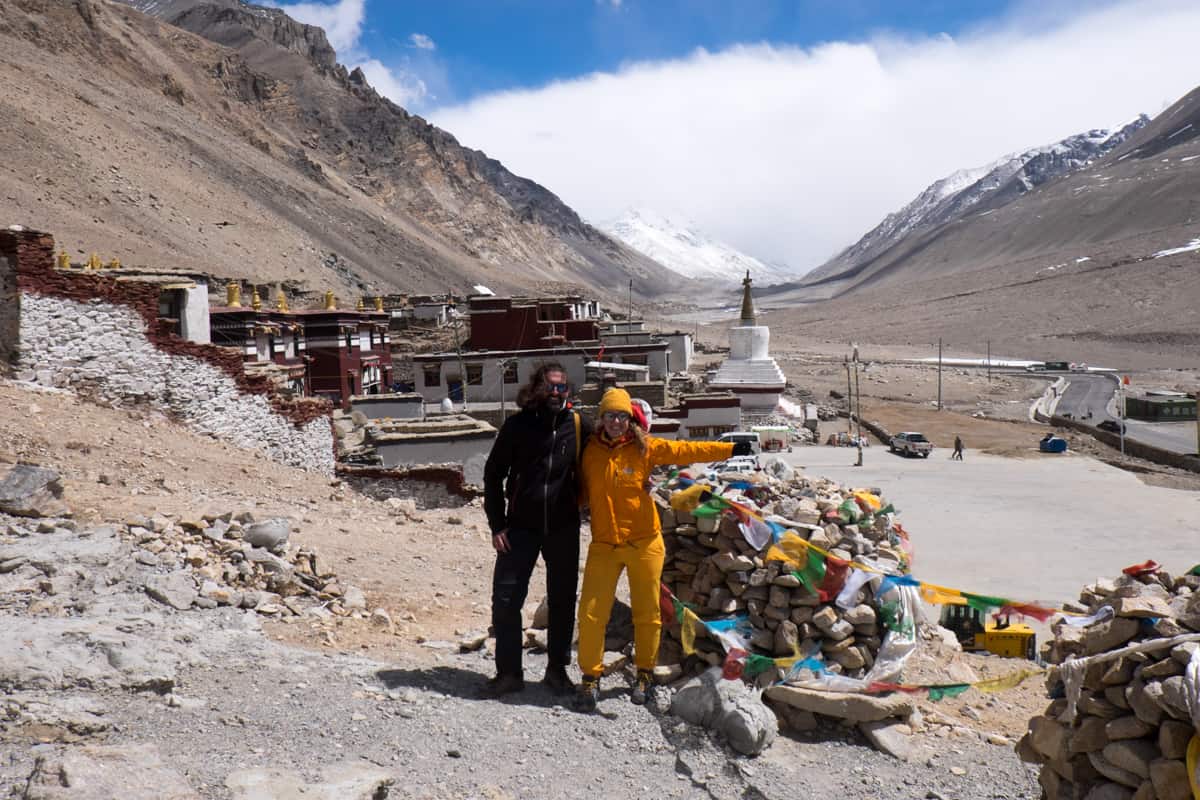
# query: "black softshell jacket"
[529,480]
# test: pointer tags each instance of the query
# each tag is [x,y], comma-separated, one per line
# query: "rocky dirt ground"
[223,694]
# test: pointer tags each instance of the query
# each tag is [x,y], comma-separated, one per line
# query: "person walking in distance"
[532,504]
[958,448]
[626,535]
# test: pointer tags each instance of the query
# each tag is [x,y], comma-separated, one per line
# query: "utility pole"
[462,370]
[857,400]
[858,409]
[939,402]
[989,351]
[1121,410]
[504,366]
[629,329]
[849,401]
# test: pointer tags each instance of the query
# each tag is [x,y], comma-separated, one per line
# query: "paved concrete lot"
[1029,529]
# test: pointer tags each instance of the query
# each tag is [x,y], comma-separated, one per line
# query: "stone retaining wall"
[434,486]
[9,314]
[101,338]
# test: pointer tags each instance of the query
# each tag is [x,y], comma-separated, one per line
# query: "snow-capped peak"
[682,247]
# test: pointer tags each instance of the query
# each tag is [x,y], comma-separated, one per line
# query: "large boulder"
[728,707]
[841,705]
[133,772]
[269,534]
[352,780]
[175,589]
[29,491]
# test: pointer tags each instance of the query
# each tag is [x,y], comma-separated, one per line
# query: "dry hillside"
[253,154]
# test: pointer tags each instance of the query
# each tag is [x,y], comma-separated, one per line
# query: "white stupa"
[750,372]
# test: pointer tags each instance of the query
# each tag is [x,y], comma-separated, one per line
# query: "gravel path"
[250,702]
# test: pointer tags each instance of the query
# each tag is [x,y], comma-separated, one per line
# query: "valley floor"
[308,694]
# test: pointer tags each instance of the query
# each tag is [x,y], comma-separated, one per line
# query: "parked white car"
[735,465]
[911,443]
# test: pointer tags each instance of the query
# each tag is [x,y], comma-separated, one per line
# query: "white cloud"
[422,42]
[402,88]
[342,20]
[791,154]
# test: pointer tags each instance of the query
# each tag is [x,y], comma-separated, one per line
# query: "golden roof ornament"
[94,262]
[64,260]
[233,295]
[281,303]
[361,305]
[115,263]
[255,300]
[379,304]
[747,304]
[330,302]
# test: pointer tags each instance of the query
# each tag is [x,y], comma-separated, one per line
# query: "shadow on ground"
[466,684]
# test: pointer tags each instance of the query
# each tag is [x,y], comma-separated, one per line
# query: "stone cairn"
[710,565]
[234,560]
[1127,732]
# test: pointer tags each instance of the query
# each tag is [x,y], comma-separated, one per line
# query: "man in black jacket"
[532,504]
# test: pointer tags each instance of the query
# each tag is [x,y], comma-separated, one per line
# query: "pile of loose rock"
[711,566]
[234,560]
[1126,707]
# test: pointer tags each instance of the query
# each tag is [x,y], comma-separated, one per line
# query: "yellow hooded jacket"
[614,482]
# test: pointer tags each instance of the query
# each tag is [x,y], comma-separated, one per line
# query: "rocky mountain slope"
[687,250]
[225,138]
[972,191]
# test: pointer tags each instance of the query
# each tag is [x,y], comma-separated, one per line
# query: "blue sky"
[786,129]
[484,46]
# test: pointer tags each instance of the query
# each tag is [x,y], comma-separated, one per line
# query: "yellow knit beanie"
[615,400]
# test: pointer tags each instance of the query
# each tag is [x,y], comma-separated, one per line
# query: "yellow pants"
[605,563]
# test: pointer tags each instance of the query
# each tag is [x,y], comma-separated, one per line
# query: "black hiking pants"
[510,585]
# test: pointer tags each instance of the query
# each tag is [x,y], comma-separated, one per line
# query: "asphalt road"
[1095,393]
[1037,528]
[1087,393]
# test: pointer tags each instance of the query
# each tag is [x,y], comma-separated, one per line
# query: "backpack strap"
[578,444]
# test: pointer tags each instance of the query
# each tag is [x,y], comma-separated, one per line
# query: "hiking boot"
[645,679]
[501,685]
[587,695]
[557,681]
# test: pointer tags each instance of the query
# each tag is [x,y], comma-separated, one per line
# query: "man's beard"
[555,402]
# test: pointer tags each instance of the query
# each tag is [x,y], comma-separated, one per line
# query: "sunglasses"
[616,416]
[560,388]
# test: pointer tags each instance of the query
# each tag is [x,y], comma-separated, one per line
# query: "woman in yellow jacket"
[626,535]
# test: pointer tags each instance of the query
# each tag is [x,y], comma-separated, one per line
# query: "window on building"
[510,371]
[349,340]
[270,345]
[433,374]
[698,431]
[474,374]
[634,359]
[717,430]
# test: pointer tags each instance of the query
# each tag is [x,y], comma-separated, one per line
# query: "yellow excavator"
[1002,637]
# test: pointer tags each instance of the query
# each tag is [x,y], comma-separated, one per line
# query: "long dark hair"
[535,392]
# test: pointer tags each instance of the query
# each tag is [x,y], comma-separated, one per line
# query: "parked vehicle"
[773,438]
[1112,426]
[734,466]
[743,436]
[1001,637]
[910,443]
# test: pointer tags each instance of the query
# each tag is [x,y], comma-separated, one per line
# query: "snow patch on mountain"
[684,248]
[982,189]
